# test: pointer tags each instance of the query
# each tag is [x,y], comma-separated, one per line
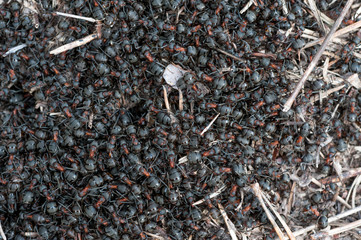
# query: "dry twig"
[312,65]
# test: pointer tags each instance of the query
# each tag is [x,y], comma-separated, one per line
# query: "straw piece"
[209,125]
[180,100]
[284,7]
[330,220]
[14,49]
[183,160]
[312,65]
[257,192]
[284,224]
[166,99]
[340,32]
[2,234]
[246,7]
[231,228]
[317,97]
[229,55]
[316,12]
[76,43]
[346,175]
[89,19]
[212,195]
[345,228]
[154,235]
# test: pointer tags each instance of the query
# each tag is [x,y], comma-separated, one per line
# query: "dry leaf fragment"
[172,74]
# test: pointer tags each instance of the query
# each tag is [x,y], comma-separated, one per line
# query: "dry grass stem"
[2,234]
[231,228]
[354,192]
[180,100]
[246,7]
[316,13]
[241,202]
[284,7]
[279,217]
[183,160]
[345,228]
[91,118]
[257,192]
[89,19]
[212,195]
[352,188]
[166,99]
[172,117]
[326,19]
[346,175]
[210,124]
[229,55]
[179,13]
[76,43]
[340,32]
[291,198]
[317,97]
[312,65]
[357,126]
[56,114]
[154,236]
[338,198]
[356,5]
[338,168]
[330,220]
[325,69]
